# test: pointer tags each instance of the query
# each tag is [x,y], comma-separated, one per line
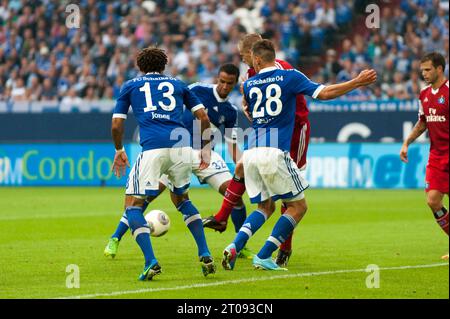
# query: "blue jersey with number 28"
[271,97]
[157,102]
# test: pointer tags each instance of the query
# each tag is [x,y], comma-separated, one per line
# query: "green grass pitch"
[46,229]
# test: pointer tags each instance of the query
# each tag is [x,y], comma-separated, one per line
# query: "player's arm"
[234,151]
[198,109]
[205,128]
[231,137]
[418,130]
[120,162]
[333,91]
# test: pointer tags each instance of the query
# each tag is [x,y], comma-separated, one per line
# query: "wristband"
[121,150]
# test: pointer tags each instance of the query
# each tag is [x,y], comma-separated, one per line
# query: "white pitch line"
[238,281]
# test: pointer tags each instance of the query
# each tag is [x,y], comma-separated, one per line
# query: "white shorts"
[215,174]
[271,173]
[150,165]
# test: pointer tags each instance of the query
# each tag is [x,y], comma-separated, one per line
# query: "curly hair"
[151,60]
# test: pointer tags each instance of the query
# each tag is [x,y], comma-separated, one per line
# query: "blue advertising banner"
[63,164]
[366,165]
[57,165]
[330,165]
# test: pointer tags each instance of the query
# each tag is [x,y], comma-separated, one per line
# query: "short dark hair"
[264,49]
[151,60]
[230,68]
[436,59]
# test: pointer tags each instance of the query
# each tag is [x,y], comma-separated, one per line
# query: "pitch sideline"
[238,281]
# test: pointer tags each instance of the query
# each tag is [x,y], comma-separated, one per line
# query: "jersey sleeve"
[191,101]
[421,113]
[122,103]
[303,85]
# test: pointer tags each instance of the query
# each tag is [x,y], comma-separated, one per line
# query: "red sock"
[234,192]
[287,245]
[442,219]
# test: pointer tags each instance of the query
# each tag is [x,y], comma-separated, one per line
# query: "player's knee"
[298,209]
[434,203]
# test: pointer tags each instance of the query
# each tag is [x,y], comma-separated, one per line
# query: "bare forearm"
[205,127]
[234,151]
[335,90]
[117,131]
[418,130]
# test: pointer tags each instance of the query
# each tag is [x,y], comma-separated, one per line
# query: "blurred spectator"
[18,92]
[40,58]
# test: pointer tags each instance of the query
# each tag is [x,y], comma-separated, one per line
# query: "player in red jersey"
[299,147]
[433,115]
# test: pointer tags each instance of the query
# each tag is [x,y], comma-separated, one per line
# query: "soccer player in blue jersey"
[157,102]
[270,172]
[222,114]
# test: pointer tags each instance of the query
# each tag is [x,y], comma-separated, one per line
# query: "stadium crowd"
[42,59]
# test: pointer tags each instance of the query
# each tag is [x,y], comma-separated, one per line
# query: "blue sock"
[141,233]
[123,224]
[282,229]
[193,221]
[122,227]
[144,207]
[251,225]
[238,216]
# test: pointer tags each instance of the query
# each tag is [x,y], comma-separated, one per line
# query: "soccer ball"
[158,221]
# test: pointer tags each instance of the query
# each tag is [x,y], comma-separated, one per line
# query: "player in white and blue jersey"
[223,116]
[157,102]
[270,172]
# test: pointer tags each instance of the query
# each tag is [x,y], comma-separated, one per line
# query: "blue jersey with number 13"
[157,102]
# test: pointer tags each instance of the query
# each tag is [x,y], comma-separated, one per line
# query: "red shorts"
[299,143]
[436,179]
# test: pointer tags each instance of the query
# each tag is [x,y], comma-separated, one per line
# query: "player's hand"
[404,153]
[366,77]
[120,164]
[246,109]
[205,158]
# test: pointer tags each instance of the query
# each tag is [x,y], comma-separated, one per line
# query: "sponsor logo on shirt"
[435,118]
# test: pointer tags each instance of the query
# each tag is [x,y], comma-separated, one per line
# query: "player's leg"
[295,210]
[437,186]
[288,185]
[233,193]
[143,182]
[141,233]
[218,177]
[238,213]
[258,194]
[440,212]
[251,225]
[113,243]
[179,175]
[193,221]
[238,217]
[299,149]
